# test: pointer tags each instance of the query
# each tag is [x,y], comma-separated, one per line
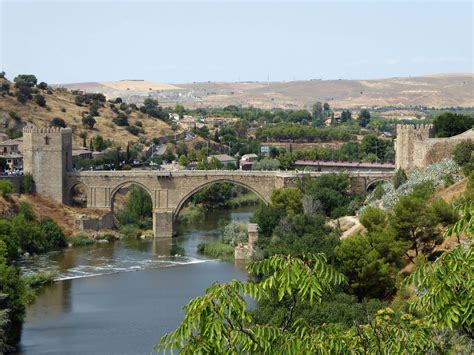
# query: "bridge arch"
[126,184]
[372,184]
[195,190]
[78,194]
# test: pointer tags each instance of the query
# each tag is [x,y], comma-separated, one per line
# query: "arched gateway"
[47,156]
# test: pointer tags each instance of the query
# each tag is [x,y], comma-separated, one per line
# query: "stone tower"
[408,139]
[47,155]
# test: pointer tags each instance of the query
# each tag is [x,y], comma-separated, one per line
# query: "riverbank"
[193,212]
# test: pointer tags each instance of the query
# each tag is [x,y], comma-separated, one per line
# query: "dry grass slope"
[60,101]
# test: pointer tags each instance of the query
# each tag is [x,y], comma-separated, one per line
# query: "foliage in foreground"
[219,321]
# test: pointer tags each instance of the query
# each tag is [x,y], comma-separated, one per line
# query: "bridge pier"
[163,223]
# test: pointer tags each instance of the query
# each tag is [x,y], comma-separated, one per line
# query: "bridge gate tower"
[47,156]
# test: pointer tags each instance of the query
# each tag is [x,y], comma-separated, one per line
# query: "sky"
[180,42]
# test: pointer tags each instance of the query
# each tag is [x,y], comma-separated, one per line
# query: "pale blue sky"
[178,42]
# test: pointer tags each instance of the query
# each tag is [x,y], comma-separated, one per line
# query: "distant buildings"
[341,166]
[10,150]
[247,161]
[224,159]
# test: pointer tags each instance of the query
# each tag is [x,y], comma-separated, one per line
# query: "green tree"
[88,122]
[463,154]
[317,113]
[138,208]
[183,161]
[371,262]
[447,286]
[28,80]
[224,325]
[346,116]
[288,199]
[373,219]
[6,188]
[399,178]
[414,221]
[219,321]
[364,118]
[449,124]
[332,192]
[266,164]
[99,143]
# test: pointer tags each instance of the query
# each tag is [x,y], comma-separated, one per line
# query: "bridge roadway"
[169,190]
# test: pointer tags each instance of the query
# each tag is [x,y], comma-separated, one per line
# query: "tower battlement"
[47,130]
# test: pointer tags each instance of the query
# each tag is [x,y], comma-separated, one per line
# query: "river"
[121,297]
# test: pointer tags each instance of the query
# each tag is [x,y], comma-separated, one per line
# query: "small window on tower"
[46,140]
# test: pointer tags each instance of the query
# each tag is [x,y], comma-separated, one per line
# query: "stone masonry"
[47,155]
[416,146]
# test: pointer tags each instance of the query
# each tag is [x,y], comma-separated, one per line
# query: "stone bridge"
[48,158]
[169,191]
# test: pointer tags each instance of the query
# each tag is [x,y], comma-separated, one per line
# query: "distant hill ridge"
[439,90]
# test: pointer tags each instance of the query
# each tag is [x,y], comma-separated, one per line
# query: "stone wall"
[16,182]
[96,224]
[416,147]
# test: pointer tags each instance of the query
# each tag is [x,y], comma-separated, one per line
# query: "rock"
[26,254]
[102,241]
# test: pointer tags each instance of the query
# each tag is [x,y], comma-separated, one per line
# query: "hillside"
[442,90]
[60,103]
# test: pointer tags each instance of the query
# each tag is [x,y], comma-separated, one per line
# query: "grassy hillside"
[61,103]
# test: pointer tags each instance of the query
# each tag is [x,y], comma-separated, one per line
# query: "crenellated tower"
[47,155]
[408,137]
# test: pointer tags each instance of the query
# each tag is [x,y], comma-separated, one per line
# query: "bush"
[6,188]
[58,122]
[217,249]
[399,178]
[176,250]
[133,130]
[234,233]
[88,122]
[28,186]
[121,120]
[42,86]
[80,240]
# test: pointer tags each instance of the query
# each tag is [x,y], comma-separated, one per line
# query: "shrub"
[28,184]
[234,233]
[217,249]
[28,80]
[79,100]
[121,120]
[4,87]
[80,240]
[63,109]
[133,130]
[40,100]
[42,85]
[6,188]
[58,122]
[399,178]
[88,122]
[176,250]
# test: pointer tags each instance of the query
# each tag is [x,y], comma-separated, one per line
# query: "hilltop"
[65,105]
[441,90]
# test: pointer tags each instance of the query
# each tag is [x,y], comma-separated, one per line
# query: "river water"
[121,297]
